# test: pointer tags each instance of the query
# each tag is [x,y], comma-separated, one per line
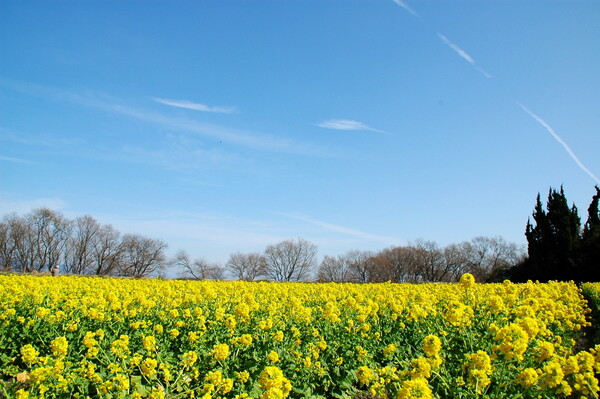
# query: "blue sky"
[223,126]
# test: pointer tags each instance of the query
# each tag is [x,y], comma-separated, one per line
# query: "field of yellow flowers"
[77,337]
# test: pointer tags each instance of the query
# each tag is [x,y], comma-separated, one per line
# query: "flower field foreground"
[592,293]
[113,338]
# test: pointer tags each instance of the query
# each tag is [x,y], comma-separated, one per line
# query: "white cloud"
[347,124]
[244,138]
[560,140]
[343,124]
[195,106]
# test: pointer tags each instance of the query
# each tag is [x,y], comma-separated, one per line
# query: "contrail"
[407,7]
[458,50]
[560,140]
[464,55]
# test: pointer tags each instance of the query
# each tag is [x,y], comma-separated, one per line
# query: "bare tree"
[142,256]
[247,266]
[7,247]
[21,239]
[361,265]
[333,269]
[107,252]
[290,260]
[79,252]
[456,262]
[198,269]
[429,261]
[396,264]
[485,255]
[50,233]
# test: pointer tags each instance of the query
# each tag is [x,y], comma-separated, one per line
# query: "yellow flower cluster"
[101,337]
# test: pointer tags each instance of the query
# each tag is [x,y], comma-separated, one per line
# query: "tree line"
[45,239]
[559,247]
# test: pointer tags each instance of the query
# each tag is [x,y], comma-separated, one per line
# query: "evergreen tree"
[590,242]
[553,242]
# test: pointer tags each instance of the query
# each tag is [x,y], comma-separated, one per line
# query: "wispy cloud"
[342,229]
[14,160]
[347,124]
[463,54]
[195,106]
[181,153]
[239,137]
[560,140]
[229,135]
[406,7]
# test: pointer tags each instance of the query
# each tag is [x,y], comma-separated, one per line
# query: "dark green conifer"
[553,242]
[590,242]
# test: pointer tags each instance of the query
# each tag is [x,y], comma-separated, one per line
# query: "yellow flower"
[467,280]
[479,369]
[189,358]
[390,349]
[513,341]
[216,381]
[278,336]
[527,377]
[242,310]
[420,368]
[157,393]
[432,345]
[415,389]
[120,347]
[266,324]
[543,351]
[121,382]
[29,354]
[22,394]
[361,353]
[230,322]
[458,314]
[365,375]
[220,352]
[274,383]
[193,336]
[42,312]
[88,340]
[242,376]
[273,357]
[246,339]
[149,367]
[552,375]
[149,343]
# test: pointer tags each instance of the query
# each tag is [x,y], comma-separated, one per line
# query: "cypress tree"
[590,242]
[553,241]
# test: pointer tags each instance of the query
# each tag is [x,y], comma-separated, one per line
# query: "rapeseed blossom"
[166,339]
